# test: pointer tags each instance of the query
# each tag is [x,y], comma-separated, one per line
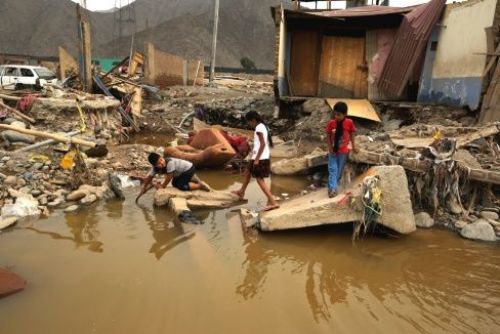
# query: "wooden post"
[197,72]
[84,35]
[214,41]
[184,72]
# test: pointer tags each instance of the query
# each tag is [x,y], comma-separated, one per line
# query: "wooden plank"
[342,68]
[303,66]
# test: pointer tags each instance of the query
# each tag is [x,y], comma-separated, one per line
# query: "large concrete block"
[197,199]
[316,208]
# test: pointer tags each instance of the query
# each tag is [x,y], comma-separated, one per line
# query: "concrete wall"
[67,63]
[164,69]
[452,73]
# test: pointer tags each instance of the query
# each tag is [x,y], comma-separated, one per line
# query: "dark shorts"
[262,170]
[181,182]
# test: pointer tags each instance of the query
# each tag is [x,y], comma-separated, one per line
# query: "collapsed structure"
[383,53]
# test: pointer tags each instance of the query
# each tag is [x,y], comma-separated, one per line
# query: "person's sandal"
[332,193]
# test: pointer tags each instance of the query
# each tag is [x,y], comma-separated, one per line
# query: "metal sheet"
[342,71]
[409,46]
[357,108]
[303,66]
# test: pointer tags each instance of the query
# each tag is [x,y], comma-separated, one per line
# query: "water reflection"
[379,277]
[166,230]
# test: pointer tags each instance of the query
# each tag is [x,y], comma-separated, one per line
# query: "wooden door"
[343,72]
[304,63]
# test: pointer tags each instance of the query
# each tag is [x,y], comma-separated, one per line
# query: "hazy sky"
[107,4]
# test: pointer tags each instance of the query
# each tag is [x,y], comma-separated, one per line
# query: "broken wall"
[456,55]
[67,63]
[164,69]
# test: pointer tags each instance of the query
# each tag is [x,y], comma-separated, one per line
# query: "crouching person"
[180,172]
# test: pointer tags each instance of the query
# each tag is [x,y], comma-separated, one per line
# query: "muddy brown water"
[122,268]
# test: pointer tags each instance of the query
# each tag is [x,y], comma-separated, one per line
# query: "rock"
[10,180]
[36,193]
[59,182]
[55,203]
[76,195]
[98,151]
[460,224]
[71,208]
[116,186]
[37,166]
[2,176]
[5,158]
[43,201]
[7,222]
[16,137]
[178,205]
[10,283]
[89,199]
[197,199]
[316,105]
[21,182]
[317,209]
[424,220]
[489,215]
[479,230]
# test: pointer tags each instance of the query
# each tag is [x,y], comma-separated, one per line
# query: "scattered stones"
[489,215]
[424,220]
[479,230]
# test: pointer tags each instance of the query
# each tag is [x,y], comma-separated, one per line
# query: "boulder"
[316,208]
[10,283]
[479,230]
[424,220]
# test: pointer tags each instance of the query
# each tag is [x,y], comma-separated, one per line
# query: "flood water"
[121,268]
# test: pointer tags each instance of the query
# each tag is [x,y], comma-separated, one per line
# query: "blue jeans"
[336,163]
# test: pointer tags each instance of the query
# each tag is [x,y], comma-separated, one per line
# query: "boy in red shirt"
[339,131]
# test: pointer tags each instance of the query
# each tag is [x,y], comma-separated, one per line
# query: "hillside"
[183,27]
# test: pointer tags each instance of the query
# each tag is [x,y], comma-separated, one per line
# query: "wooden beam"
[43,134]
[84,35]
[17,113]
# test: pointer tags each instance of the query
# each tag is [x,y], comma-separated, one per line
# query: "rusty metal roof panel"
[364,11]
[409,46]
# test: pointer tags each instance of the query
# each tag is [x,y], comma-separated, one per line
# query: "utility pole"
[214,41]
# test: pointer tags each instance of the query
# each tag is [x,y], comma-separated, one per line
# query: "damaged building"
[431,54]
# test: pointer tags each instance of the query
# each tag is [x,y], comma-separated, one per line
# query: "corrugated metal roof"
[409,45]
[363,11]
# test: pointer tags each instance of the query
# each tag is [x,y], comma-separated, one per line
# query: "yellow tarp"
[357,108]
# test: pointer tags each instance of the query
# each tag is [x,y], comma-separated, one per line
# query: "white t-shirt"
[261,128]
[174,165]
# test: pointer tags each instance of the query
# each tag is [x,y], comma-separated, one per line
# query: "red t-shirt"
[348,129]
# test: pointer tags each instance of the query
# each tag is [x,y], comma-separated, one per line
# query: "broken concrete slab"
[197,199]
[178,205]
[295,166]
[285,150]
[10,283]
[316,208]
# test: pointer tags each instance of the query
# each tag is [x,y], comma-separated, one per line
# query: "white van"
[25,76]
